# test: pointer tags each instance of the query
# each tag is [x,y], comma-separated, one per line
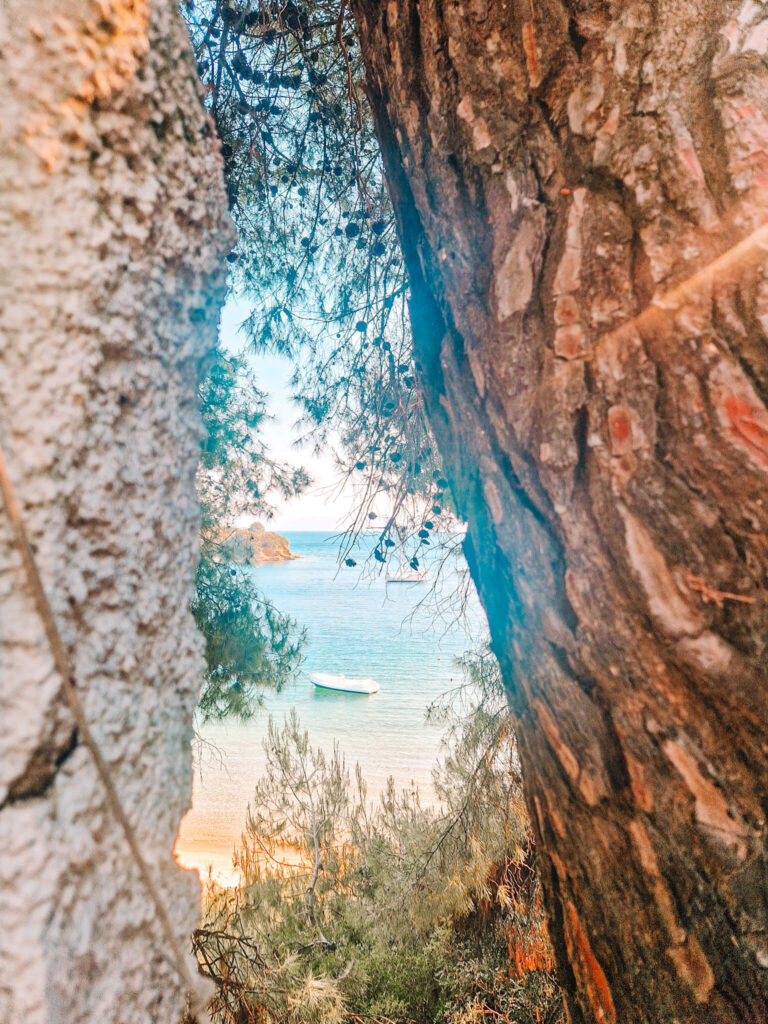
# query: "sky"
[320,507]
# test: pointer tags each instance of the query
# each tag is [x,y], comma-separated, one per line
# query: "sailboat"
[342,683]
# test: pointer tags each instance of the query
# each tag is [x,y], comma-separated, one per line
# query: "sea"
[407,637]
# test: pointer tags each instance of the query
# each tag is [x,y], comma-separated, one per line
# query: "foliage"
[236,473]
[249,645]
[387,911]
[318,258]
[383,911]
[297,813]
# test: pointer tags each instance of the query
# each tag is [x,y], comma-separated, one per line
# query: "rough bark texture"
[113,228]
[557,167]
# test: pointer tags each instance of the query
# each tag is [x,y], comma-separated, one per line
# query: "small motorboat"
[344,684]
[406,573]
[408,576]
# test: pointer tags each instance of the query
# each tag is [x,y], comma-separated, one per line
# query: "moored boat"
[408,576]
[342,683]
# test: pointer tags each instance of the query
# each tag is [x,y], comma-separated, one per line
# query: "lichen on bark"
[114,227]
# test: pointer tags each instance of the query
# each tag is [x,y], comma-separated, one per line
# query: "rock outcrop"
[253,545]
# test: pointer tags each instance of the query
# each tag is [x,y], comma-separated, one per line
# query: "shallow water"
[392,633]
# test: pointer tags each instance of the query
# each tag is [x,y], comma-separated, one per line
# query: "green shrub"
[386,911]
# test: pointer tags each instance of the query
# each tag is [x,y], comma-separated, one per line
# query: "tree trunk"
[113,231]
[563,172]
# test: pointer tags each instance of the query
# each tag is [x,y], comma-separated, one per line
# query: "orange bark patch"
[711,808]
[700,585]
[693,968]
[587,968]
[575,600]
[741,413]
[40,138]
[555,819]
[661,895]
[558,865]
[690,161]
[611,123]
[591,788]
[641,793]
[623,468]
[746,112]
[748,424]
[566,310]
[532,60]
[564,754]
[570,342]
[644,848]
[665,602]
[620,427]
[749,145]
[107,45]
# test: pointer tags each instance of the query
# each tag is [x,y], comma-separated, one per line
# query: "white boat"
[344,684]
[408,576]
[406,573]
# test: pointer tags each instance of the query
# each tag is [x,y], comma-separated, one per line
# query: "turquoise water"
[406,637]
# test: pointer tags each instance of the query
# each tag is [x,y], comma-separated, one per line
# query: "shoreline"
[211,856]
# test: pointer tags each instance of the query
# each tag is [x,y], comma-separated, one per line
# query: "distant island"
[253,545]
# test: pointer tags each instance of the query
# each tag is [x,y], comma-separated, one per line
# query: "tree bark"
[563,173]
[114,225]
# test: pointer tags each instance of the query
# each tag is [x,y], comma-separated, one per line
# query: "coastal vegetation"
[249,644]
[354,908]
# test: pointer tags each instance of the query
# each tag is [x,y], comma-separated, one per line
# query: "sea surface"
[405,636]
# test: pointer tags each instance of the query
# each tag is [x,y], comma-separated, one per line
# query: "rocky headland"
[253,545]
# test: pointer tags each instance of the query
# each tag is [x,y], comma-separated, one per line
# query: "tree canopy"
[317,257]
[249,644]
[319,264]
